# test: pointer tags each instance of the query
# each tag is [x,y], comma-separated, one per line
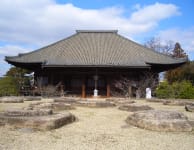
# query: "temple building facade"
[88,62]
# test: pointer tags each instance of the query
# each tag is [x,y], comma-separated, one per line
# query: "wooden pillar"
[52,80]
[108,88]
[83,88]
[130,91]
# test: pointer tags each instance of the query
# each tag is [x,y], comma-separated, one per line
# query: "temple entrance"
[84,86]
[100,86]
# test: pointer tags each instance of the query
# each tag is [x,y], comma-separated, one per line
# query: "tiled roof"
[95,48]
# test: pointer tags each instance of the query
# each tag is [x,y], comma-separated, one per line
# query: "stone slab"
[95,104]
[11,99]
[35,112]
[51,105]
[189,108]
[134,107]
[160,120]
[32,98]
[39,122]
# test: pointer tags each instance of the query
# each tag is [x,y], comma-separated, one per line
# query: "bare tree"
[147,79]
[121,87]
[124,86]
[45,89]
[156,44]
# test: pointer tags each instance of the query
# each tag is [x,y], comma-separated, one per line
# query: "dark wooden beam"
[108,88]
[83,88]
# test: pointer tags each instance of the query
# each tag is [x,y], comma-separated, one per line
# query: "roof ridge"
[96,31]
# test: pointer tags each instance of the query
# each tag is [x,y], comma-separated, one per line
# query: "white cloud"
[12,50]
[9,50]
[184,36]
[36,23]
[44,21]
[154,13]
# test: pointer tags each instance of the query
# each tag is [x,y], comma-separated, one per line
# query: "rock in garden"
[48,122]
[11,99]
[115,99]
[35,112]
[160,120]
[62,106]
[134,107]
[32,98]
[96,104]
[51,105]
[189,107]
[122,102]
[177,102]
[71,100]
[119,101]
[156,100]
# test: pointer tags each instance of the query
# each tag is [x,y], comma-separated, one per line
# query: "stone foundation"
[159,120]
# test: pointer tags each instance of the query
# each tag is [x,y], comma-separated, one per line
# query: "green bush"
[164,90]
[183,90]
[8,86]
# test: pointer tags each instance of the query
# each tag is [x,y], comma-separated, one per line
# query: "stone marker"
[159,120]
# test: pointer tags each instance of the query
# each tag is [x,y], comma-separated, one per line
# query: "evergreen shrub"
[8,86]
[182,90]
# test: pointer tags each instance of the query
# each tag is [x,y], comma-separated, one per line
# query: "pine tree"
[178,52]
[180,73]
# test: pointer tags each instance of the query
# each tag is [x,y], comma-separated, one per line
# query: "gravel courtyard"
[97,129]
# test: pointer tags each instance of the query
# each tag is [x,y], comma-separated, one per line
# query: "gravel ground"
[97,129]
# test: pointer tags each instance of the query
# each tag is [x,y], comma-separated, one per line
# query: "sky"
[27,25]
